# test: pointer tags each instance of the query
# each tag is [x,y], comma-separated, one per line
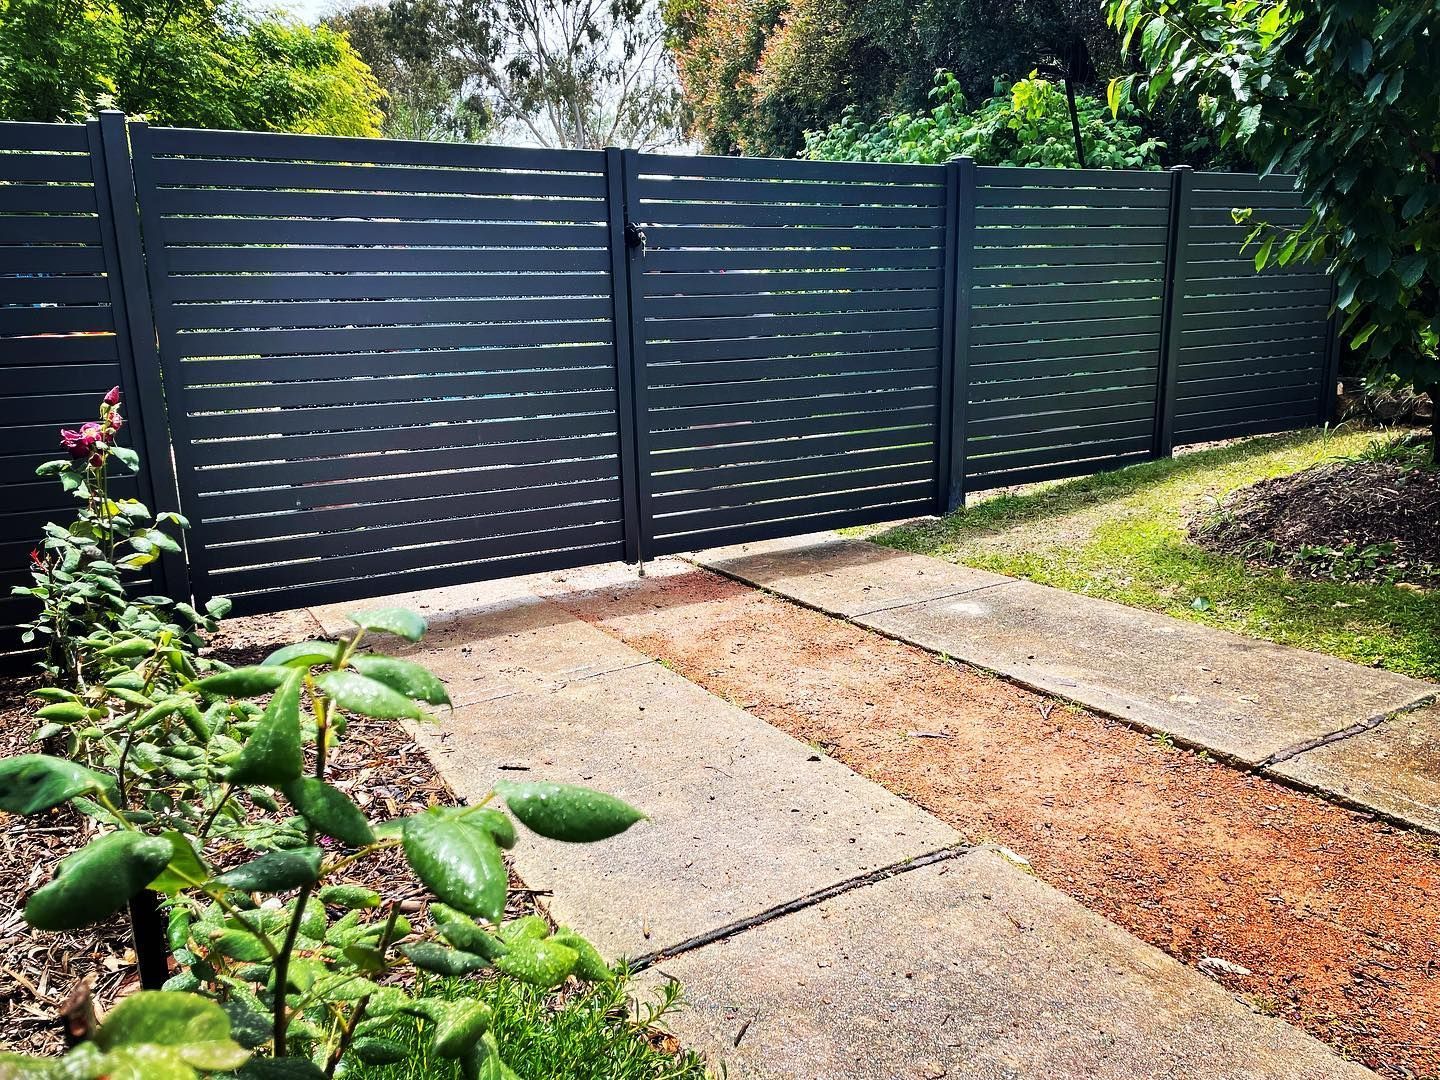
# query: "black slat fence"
[389,364]
[1066,308]
[363,366]
[787,318]
[64,334]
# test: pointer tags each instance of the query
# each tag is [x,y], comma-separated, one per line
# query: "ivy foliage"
[1024,124]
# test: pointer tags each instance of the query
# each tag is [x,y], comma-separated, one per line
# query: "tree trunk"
[148,932]
[1074,120]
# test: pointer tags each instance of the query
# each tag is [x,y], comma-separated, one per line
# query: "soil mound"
[1351,521]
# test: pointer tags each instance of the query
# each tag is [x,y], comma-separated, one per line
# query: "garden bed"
[576,1033]
[1376,521]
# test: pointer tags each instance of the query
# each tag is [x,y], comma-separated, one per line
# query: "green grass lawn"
[1121,536]
[591,1034]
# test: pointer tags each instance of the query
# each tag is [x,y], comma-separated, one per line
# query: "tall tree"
[758,74]
[1343,94]
[185,62]
[576,73]
[410,46]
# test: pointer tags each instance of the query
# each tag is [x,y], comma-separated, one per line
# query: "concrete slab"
[845,577]
[1393,768]
[743,816]
[1233,695]
[971,968]
[1245,699]
[492,640]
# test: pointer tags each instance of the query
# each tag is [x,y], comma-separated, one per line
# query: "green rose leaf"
[97,880]
[306,654]
[543,963]
[398,621]
[567,812]
[183,870]
[377,1050]
[428,956]
[402,676]
[458,861]
[496,824]
[276,872]
[589,965]
[329,811]
[243,682]
[352,897]
[65,712]
[30,783]
[166,1019]
[366,696]
[272,755]
[459,930]
[287,1068]
[459,1027]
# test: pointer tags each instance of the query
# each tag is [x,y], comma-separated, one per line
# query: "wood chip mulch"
[1343,505]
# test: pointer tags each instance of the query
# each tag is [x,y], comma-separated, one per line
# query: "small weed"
[1163,740]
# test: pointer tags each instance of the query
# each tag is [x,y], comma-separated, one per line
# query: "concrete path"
[1294,713]
[821,926]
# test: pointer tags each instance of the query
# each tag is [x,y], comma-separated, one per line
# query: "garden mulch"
[1327,915]
[1359,520]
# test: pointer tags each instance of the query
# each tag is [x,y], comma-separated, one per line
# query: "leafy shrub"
[78,572]
[1027,123]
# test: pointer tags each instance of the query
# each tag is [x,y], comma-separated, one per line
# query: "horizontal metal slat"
[337,313]
[772,190]
[295,287]
[691,307]
[327,260]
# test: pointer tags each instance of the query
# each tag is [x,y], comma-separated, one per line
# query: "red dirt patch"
[1332,912]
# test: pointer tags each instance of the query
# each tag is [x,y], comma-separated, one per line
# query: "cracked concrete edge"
[1262,768]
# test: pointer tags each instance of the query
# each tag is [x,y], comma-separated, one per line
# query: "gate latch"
[634,236]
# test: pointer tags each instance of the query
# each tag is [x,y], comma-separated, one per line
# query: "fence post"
[1329,406]
[626,370]
[955,331]
[1172,307]
[135,330]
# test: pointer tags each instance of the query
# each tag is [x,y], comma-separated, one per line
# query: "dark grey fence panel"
[1253,346]
[392,365]
[388,365]
[1066,304]
[788,324]
[63,334]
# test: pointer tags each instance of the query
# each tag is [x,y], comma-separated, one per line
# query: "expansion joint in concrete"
[789,907]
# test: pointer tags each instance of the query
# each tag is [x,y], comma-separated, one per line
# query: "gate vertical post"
[140,377]
[628,371]
[1172,308]
[955,346]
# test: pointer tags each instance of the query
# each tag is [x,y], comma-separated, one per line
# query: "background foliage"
[758,74]
[1024,124]
[192,63]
